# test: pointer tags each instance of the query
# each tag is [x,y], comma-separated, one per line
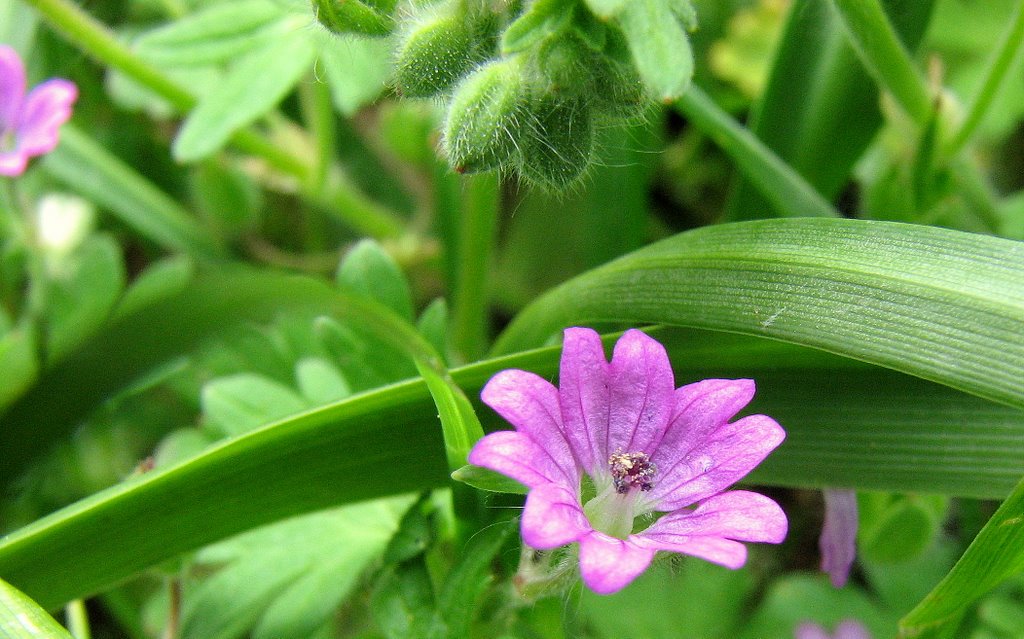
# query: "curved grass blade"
[938,304]
[878,430]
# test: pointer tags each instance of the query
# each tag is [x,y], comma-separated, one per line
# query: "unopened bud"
[366,17]
[434,56]
[482,129]
[557,143]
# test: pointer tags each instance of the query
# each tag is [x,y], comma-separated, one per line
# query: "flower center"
[631,469]
[614,509]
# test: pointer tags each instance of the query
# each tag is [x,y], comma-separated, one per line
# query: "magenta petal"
[739,514]
[12,164]
[583,395]
[851,629]
[12,87]
[46,108]
[608,565]
[552,517]
[838,541]
[517,456]
[530,403]
[641,394]
[725,457]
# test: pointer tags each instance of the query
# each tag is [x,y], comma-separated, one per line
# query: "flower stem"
[995,74]
[476,238]
[884,56]
[78,619]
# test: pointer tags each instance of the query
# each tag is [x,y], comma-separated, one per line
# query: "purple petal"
[12,87]
[517,456]
[727,455]
[13,164]
[530,403]
[851,629]
[700,408]
[583,395]
[808,630]
[552,517]
[739,514]
[641,394]
[46,108]
[608,565]
[838,541]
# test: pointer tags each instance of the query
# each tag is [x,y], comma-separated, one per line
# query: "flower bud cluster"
[526,83]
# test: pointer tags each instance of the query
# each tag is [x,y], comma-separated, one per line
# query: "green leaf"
[897,529]
[655,37]
[606,8]
[403,604]
[540,20]
[433,325]
[320,382]
[252,88]
[239,403]
[94,172]
[215,34]
[368,271]
[356,69]
[470,576]
[995,554]
[459,423]
[486,479]
[19,363]
[943,305]
[22,618]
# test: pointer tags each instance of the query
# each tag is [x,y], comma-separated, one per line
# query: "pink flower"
[29,123]
[623,463]
[847,629]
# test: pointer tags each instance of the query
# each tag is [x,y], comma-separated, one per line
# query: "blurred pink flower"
[838,541]
[29,123]
[616,445]
[847,629]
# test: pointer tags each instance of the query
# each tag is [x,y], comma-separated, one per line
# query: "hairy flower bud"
[482,129]
[366,17]
[434,56]
[556,149]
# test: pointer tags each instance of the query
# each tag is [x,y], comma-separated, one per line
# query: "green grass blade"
[995,554]
[22,618]
[894,433]
[819,110]
[939,304]
[776,181]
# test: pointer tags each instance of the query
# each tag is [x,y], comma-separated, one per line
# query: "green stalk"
[78,619]
[476,237]
[778,182]
[884,56]
[995,74]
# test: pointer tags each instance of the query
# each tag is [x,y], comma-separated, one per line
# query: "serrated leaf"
[287,579]
[254,86]
[239,403]
[660,47]
[22,618]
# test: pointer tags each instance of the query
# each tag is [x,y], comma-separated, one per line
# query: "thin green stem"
[78,619]
[884,56]
[995,75]
[476,238]
[778,182]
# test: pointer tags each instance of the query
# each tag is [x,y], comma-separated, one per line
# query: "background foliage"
[247,305]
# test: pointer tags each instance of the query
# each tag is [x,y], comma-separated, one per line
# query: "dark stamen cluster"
[631,469]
